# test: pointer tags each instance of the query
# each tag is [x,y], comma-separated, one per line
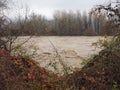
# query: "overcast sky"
[47,7]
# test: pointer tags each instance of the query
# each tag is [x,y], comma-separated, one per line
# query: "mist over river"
[70,49]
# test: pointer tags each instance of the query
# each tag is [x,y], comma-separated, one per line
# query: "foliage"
[109,29]
[21,50]
[109,43]
[65,68]
[100,72]
[22,73]
[87,59]
[6,37]
[61,24]
[115,86]
[112,13]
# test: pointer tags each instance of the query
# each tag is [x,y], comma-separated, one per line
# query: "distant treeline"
[63,24]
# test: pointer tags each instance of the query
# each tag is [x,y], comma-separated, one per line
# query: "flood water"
[70,49]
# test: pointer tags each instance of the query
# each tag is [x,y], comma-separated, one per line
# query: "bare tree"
[112,13]
[6,36]
[3,6]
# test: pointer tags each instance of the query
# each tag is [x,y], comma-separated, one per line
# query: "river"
[49,50]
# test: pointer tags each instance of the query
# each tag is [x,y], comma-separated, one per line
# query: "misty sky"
[47,7]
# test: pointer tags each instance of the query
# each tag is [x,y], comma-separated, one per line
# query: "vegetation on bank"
[64,23]
[20,73]
[101,72]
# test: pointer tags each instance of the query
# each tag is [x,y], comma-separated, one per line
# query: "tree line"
[63,23]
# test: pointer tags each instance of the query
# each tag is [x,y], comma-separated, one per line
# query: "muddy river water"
[48,50]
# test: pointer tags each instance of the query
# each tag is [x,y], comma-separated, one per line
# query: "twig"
[60,60]
[23,42]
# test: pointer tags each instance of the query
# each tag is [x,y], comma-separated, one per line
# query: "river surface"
[48,51]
